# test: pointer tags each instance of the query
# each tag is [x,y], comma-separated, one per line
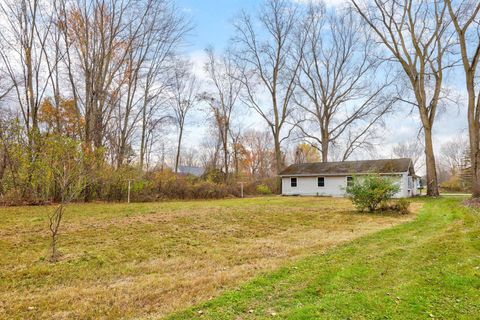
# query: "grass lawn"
[149,260]
[425,269]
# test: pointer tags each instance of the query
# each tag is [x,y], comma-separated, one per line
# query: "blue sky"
[212,20]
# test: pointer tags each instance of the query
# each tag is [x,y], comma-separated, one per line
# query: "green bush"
[368,192]
[263,189]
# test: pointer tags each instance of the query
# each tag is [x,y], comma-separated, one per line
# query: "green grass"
[148,260]
[262,258]
[428,268]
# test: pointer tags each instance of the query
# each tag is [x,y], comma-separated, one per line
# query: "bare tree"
[141,83]
[224,75]
[66,159]
[167,33]
[412,149]
[236,136]
[190,157]
[210,149]
[466,20]
[257,153]
[26,28]
[183,97]
[452,154]
[342,100]
[414,33]
[266,50]
[98,38]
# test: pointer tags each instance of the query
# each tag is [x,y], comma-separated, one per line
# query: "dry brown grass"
[146,260]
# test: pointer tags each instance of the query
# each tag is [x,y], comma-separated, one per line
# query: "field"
[149,260]
[425,269]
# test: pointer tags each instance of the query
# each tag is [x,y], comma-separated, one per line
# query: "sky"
[212,22]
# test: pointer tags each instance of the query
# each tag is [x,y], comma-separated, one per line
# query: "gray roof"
[191,170]
[350,167]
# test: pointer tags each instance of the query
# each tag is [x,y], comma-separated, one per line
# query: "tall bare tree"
[210,150]
[222,98]
[414,34]
[26,28]
[168,33]
[452,154]
[465,15]
[142,81]
[341,100]
[99,36]
[183,98]
[266,49]
[412,149]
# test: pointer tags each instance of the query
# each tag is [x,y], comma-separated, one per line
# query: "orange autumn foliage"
[64,118]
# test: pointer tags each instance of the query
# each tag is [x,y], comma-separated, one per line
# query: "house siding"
[308,186]
[334,186]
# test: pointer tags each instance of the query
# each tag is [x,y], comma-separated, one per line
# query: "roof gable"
[351,167]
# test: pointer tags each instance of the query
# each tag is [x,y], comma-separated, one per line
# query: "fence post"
[128,196]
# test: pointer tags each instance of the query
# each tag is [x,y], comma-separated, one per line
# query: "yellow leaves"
[96,33]
[64,118]
[47,112]
[306,153]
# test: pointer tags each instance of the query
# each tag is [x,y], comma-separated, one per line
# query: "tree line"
[94,93]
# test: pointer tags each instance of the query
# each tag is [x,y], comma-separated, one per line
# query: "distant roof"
[350,167]
[194,171]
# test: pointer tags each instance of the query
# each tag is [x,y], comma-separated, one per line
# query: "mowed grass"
[425,269]
[148,260]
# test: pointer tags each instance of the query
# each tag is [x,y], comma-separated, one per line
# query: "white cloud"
[331,3]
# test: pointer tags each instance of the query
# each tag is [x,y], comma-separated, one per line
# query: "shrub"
[368,192]
[213,175]
[263,189]
[250,187]
[401,206]
[454,184]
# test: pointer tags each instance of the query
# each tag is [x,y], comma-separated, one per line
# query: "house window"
[293,182]
[410,182]
[321,182]
[349,181]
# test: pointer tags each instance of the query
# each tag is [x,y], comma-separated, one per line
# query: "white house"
[331,178]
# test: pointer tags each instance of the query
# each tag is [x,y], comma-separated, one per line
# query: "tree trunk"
[177,158]
[98,129]
[475,161]
[3,167]
[432,183]
[143,136]
[121,155]
[278,160]
[474,136]
[325,146]
[225,159]
[278,155]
